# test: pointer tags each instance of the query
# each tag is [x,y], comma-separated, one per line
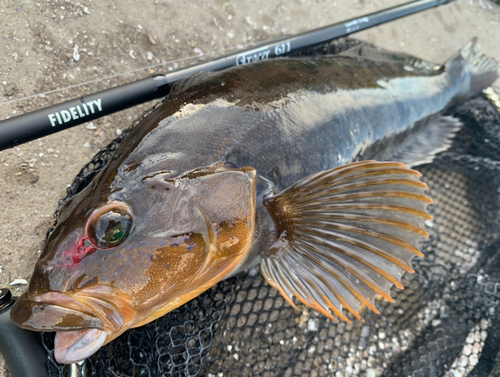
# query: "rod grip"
[22,350]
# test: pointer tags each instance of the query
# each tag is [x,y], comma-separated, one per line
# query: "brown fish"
[266,163]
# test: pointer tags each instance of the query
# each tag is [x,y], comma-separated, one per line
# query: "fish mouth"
[84,320]
[55,311]
[74,346]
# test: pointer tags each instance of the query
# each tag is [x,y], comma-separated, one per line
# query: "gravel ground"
[51,45]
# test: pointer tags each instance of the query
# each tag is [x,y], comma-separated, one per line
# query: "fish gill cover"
[446,322]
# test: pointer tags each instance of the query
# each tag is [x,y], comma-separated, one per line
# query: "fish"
[300,165]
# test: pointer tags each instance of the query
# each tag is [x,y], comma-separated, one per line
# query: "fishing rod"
[52,119]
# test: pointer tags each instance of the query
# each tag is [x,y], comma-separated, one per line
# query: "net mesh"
[444,323]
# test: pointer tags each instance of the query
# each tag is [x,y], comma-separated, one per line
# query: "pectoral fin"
[346,235]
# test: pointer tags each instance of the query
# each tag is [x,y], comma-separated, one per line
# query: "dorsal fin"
[370,52]
[193,80]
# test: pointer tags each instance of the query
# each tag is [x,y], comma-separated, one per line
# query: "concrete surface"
[38,42]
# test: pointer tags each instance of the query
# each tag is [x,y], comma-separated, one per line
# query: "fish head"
[122,259]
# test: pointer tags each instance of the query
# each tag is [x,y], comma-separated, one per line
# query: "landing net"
[446,322]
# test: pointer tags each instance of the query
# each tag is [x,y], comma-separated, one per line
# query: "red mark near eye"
[78,251]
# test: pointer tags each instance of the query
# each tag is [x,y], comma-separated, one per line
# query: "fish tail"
[483,70]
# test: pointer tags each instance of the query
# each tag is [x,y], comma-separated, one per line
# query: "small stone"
[476,348]
[76,54]
[484,335]
[86,145]
[464,361]
[470,338]
[119,132]
[91,126]
[467,350]
[477,336]
[18,282]
[370,372]
[436,322]
[473,359]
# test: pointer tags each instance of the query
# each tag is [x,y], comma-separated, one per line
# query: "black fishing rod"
[43,122]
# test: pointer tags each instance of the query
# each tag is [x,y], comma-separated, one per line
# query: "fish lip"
[93,308]
[74,346]
[38,315]
[102,308]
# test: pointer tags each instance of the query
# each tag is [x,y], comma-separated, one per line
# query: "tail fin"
[483,69]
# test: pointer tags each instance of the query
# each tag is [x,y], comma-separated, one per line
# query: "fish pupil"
[117,235]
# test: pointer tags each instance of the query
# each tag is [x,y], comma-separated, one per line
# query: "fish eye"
[110,228]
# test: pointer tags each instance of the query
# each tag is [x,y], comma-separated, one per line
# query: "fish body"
[266,163]
[283,116]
